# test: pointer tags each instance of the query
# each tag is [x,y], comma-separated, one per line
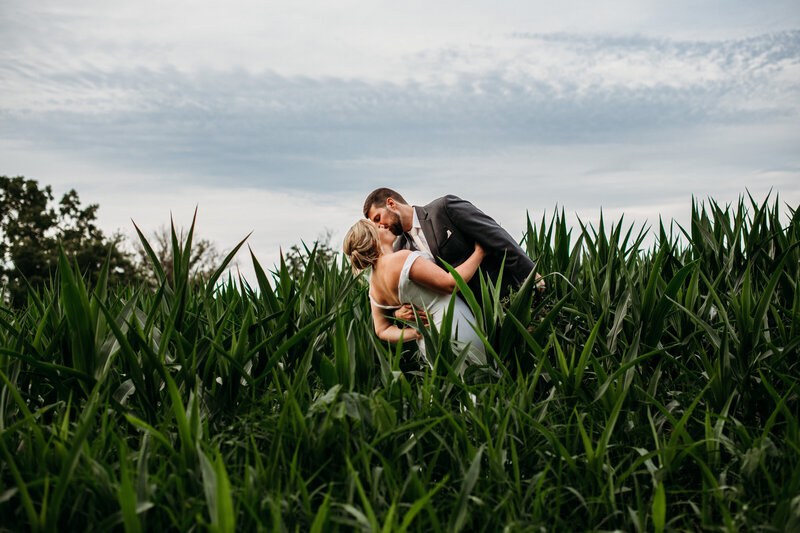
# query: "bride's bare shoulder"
[396,258]
[390,265]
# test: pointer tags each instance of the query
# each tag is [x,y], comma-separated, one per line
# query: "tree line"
[33,226]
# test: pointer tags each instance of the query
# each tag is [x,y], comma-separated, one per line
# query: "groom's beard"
[396,227]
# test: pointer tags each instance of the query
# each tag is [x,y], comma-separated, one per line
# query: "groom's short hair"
[378,197]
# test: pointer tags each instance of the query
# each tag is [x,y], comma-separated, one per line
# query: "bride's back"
[385,277]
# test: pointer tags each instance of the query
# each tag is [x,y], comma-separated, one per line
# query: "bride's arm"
[387,331]
[430,275]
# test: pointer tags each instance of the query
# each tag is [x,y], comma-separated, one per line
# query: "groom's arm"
[482,228]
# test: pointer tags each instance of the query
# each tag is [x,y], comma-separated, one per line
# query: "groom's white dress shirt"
[418,237]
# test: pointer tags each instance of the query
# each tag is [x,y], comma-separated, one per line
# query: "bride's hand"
[406,312]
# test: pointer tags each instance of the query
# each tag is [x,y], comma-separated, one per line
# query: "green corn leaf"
[76,308]
[586,353]
[321,518]
[766,296]
[27,501]
[341,353]
[151,254]
[659,508]
[319,323]
[64,482]
[226,515]
[265,288]
[611,422]
[656,326]
[649,297]
[212,280]
[141,424]
[420,504]
[179,412]
[371,518]
[588,446]
[126,493]
[467,486]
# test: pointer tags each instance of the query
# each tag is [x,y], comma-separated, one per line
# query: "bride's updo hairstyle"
[361,245]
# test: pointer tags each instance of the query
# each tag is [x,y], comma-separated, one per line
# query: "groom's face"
[386,217]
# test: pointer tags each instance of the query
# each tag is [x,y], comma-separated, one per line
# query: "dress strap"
[381,306]
[404,273]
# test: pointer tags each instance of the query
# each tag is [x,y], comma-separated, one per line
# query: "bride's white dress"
[435,305]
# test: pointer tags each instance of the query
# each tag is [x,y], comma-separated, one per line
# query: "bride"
[407,277]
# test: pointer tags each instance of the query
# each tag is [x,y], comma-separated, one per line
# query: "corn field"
[650,388]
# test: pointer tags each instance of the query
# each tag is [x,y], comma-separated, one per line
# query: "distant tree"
[296,258]
[31,229]
[203,261]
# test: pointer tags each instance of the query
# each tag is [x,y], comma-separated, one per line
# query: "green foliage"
[203,261]
[31,230]
[646,390]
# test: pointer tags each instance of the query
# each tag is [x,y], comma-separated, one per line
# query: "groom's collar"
[415,219]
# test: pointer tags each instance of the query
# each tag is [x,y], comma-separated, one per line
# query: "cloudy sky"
[279,117]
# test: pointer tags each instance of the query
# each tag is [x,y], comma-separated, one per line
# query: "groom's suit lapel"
[429,230]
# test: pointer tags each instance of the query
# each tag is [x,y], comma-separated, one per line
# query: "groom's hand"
[540,284]
[407,313]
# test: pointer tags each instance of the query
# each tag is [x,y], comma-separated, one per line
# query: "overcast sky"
[279,117]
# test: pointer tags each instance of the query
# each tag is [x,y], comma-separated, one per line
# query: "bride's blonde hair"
[361,245]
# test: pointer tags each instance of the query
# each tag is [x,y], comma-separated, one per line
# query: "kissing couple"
[405,247]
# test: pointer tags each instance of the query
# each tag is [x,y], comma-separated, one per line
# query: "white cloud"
[280,117]
[348,39]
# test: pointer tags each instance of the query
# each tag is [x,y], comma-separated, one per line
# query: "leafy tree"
[31,229]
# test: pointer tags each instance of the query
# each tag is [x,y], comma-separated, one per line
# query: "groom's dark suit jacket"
[451,227]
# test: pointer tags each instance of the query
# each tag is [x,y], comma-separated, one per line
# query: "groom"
[446,230]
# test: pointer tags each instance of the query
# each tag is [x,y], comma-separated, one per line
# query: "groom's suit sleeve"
[485,230]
